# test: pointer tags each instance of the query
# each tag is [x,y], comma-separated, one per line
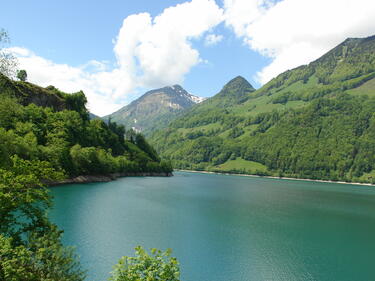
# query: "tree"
[42,258]
[142,144]
[22,75]
[23,183]
[8,62]
[30,245]
[159,266]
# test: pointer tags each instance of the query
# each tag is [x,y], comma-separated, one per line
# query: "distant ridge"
[155,109]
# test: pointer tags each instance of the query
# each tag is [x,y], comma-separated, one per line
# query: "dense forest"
[48,125]
[316,121]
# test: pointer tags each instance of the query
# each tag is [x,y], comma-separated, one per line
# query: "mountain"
[155,109]
[316,121]
[235,90]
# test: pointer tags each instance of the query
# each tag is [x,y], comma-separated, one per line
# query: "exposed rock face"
[27,93]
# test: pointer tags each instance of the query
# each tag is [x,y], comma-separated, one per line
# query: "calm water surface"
[224,228]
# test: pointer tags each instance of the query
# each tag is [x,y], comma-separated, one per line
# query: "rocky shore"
[107,178]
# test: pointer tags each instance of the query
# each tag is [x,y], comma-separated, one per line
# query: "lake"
[224,228]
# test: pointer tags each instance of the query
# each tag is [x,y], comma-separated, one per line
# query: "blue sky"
[75,32]
[71,31]
[71,43]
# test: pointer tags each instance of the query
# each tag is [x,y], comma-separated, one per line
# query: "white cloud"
[295,32]
[150,52]
[239,14]
[213,39]
[160,49]
[71,79]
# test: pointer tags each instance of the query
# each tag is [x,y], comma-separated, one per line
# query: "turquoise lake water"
[224,228]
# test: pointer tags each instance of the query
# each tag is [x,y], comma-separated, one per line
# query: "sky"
[116,50]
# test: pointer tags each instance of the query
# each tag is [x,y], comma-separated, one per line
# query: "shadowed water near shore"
[224,227]
[107,178]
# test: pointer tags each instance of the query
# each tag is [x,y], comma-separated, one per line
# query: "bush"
[157,266]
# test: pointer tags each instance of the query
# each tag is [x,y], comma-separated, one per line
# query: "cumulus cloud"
[161,47]
[295,32]
[213,39]
[150,52]
[98,90]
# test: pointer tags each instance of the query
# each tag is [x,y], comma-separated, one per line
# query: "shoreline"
[106,178]
[274,177]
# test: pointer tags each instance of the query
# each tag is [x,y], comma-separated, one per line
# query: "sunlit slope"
[155,109]
[314,121]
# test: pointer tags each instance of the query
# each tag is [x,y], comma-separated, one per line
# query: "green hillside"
[315,121]
[46,124]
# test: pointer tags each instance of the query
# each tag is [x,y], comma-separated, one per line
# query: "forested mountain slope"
[46,124]
[315,121]
[155,109]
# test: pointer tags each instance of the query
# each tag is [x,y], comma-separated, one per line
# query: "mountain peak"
[239,84]
[155,108]
[176,86]
[235,91]
[359,39]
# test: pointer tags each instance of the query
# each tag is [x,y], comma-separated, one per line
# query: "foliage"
[22,75]
[143,145]
[30,246]
[23,197]
[147,267]
[41,259]
[63,135]
[8,62]
[77,103]
[330,139]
